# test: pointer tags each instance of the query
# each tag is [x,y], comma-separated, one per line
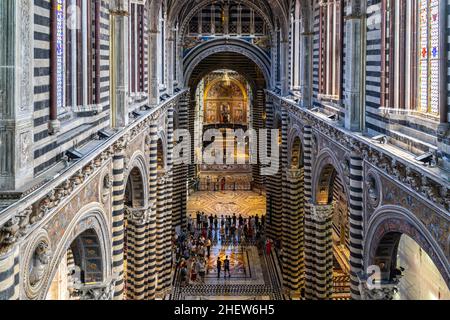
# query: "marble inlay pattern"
[245,202]
[250,278]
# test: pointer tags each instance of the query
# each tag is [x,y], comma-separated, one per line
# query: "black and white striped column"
[258,179]
[160,232]
[9,275]
[356,222]
[293,215]
[118,219]
[322,216]
[169,229]
[309,239]
[136,253]
[180,173]
[274,184]
[151,225]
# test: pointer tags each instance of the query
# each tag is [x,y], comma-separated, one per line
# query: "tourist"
[211,221]
[268,247]
[241,220]
[193,270]
[183,274]
[198,219]
[202,269]
[222,233]
[227,228]
[216,222]
[208,247]
[227,267]
[239,234]
[234,218]
[219,267]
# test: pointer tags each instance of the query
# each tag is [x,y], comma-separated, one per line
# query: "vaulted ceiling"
[180,10]
[221,60]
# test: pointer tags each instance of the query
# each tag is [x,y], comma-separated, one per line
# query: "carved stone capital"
[14,230]
[100,291]
[378,290]
[293,174]
[322,213]
[138,216]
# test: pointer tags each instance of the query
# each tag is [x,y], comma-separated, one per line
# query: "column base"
[54,127]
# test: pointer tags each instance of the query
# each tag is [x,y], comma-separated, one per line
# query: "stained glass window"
[429,56]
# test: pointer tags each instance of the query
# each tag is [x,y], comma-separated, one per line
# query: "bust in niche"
[372,191]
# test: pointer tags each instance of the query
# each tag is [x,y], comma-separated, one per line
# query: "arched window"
[79,50]
[162,48]
[429,56]
[410,55]
[330,48]
[136,41]
[295,47]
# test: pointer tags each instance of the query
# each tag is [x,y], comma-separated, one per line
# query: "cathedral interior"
[224,150]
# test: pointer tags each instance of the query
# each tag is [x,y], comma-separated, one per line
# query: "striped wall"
[316,58]
[373,64]
[49,149]
[9,275]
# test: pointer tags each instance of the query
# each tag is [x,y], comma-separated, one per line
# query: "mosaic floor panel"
[246,203]
[250,278]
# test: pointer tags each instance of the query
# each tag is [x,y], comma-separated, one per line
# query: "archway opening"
[401,259]
[82,264]
[331,192]
[134,200]
[222,140]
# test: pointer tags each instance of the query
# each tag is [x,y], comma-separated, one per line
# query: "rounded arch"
[136,182]
[327,164]
[203,51]
[161,154]
[295,149]
[218,80]
[294,133]
[386,226]
[162,150]
[254,85]
[90,220]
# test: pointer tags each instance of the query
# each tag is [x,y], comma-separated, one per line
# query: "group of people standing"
[191,254]
[228,229]
[193,247]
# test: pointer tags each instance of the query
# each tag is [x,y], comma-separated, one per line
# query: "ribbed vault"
[228,60]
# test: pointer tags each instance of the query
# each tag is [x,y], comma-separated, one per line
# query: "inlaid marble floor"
[246,203]
[249,277]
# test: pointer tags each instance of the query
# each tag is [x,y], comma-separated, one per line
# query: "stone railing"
[25,215]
